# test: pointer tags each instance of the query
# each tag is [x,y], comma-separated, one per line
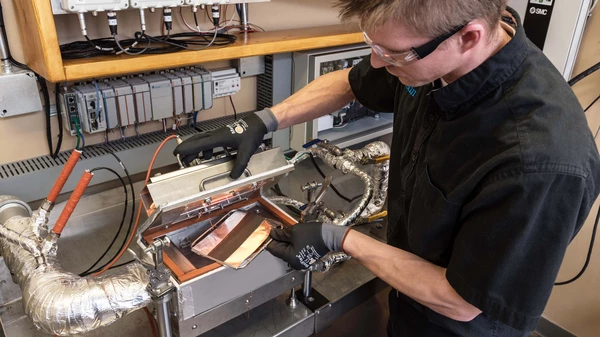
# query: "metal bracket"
[159,275]
[311,212]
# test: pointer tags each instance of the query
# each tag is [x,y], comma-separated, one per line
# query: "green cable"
[78,130]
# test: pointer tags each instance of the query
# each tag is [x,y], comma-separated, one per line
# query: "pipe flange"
[9,200]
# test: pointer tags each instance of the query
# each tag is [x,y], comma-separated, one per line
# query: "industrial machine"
[192,285]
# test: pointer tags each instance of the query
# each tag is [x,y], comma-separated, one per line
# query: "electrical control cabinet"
[177,85]
[351,125]
[107,93]
[91,108]
[187,87]
[161,95]
[82,6]
[125,102]
[226,82]
[142,99]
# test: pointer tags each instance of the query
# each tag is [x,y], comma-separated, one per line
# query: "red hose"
[64,176]
[72,203]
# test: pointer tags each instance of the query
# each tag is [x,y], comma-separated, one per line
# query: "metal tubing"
[163,314]
[6,65]
[245,21]
[306,287]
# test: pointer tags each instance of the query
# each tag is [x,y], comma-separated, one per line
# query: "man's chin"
[411,83]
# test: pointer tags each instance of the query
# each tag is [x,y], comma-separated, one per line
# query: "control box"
[226,82]
[82,6]
[142,99]
[161,96]
[91,108]
[125,102]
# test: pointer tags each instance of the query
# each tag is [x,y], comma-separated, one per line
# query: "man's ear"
[471,36]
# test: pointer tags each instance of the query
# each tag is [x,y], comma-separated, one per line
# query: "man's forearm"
[324,95]
[413,276]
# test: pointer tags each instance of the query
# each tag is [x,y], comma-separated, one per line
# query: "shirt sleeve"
[373,88]
[511,243]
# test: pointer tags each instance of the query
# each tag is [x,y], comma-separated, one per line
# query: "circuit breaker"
[82,6]
[142,99]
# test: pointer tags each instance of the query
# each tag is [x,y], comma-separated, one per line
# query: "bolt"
[329,305]
[194,327]
[293,279]
[247,301]
[311,299]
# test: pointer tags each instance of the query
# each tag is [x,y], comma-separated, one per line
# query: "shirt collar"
[462,93]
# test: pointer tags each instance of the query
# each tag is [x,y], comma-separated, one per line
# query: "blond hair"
[423,17]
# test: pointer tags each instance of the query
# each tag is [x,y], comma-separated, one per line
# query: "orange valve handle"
[72,203]
[64,176]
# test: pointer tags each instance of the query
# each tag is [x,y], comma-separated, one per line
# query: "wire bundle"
[143,43]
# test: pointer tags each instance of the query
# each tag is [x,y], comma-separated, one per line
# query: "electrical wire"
[139,213]
[588,257]
[234,109]
[592,104]
[60,121]
[125,204]
[584,74]
[130,227]
[335,190]
[46,95]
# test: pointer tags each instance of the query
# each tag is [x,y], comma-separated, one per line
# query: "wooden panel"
[39,39]
[247,45]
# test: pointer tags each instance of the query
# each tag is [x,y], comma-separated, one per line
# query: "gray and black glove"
[304,244]
[245,135]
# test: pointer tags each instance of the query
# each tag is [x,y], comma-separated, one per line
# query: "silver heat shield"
[62,303]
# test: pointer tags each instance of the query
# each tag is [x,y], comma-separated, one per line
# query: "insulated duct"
[59,302]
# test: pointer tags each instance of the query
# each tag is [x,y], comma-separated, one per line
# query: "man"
[493,167]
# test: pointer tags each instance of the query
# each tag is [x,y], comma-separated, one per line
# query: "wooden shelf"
[247,45]
[42,51]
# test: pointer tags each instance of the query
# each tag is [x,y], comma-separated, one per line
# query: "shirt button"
[431,117]
[414,157]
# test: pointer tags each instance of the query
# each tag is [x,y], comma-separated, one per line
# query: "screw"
[311,299]
[194,327]
[329,305]
[4,112]
[247,301]
[293,279]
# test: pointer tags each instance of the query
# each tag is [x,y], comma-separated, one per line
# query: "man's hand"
[304,244]
[245,135]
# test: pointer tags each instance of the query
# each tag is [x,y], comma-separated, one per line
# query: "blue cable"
[196,118]
[82,140]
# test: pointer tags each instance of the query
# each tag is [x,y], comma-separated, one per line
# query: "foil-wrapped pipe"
[380,176]
[31,246]
[62,303]
[347,166]
[328,261]
[326,215]
[65,304]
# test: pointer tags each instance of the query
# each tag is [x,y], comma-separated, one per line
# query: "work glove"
[245,135]
[304,244]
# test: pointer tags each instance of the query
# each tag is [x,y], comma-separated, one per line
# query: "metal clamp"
[159,275]
[312,210]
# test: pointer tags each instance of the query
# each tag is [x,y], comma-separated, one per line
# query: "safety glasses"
[414,54]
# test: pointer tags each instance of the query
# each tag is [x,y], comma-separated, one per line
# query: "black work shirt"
[491,177]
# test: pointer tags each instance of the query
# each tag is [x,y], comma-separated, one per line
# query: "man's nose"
[377,62]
